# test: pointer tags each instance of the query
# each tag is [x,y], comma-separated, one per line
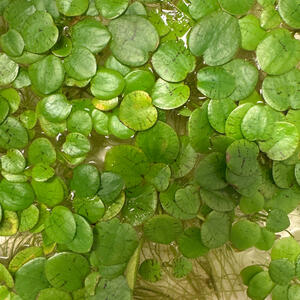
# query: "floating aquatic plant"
[142,143]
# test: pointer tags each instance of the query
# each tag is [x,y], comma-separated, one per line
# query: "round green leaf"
[277,220]
[283,175]
[150,270]
[63,47]
[282,143]
[111,187]
[111,9]
[199,129]
[42,172]
[278,53]
[133,37]
[160,143]
[185,160]
[216,37]
[20,178]
[136,8]
[12,134]
[27,58]
[251,32]
[281,271]
[285,248]
[252,204]
[29,218]
[23,257]
[172,61]
[39,32]
[266,240]
[113,209]
[260,286]
[159,175]
[52,129]
[182,203]
[201,8]
[270,18]
[30,279]
[47,75]
[85,181]
[115,242]
[80,121]
[142,80]
[215,230]
[55,108]
[91,208]
[249,272]
[293,292]
[118,129]
[166,95]
[280,292]
[257,123]
[83,239]
[236,7]
[127,161]
[116,289]
[76,145]
[5,277]
[44,213]
[9,223]
[17,11]
[90,33]
[15,196]
[218,112]
[9,70]
[12,43]
[137,111]
[66,271]
[244,234]
[215,82]
[13,161]
[190,243]
[221,142]
[140,204]
[234,121]
[100,122]
[241,157]
[60,226]
[107,84]
[210,172]
[282,92]
[28,118]
[245,75]
[52,293]
[13,98]
[41,151]
[72,7]
[105,105]
[285,199]
[80,64]
[114,64]
[223,200]
[162,229]
[290,12]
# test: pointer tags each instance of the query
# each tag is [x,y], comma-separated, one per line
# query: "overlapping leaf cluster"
[76,72]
